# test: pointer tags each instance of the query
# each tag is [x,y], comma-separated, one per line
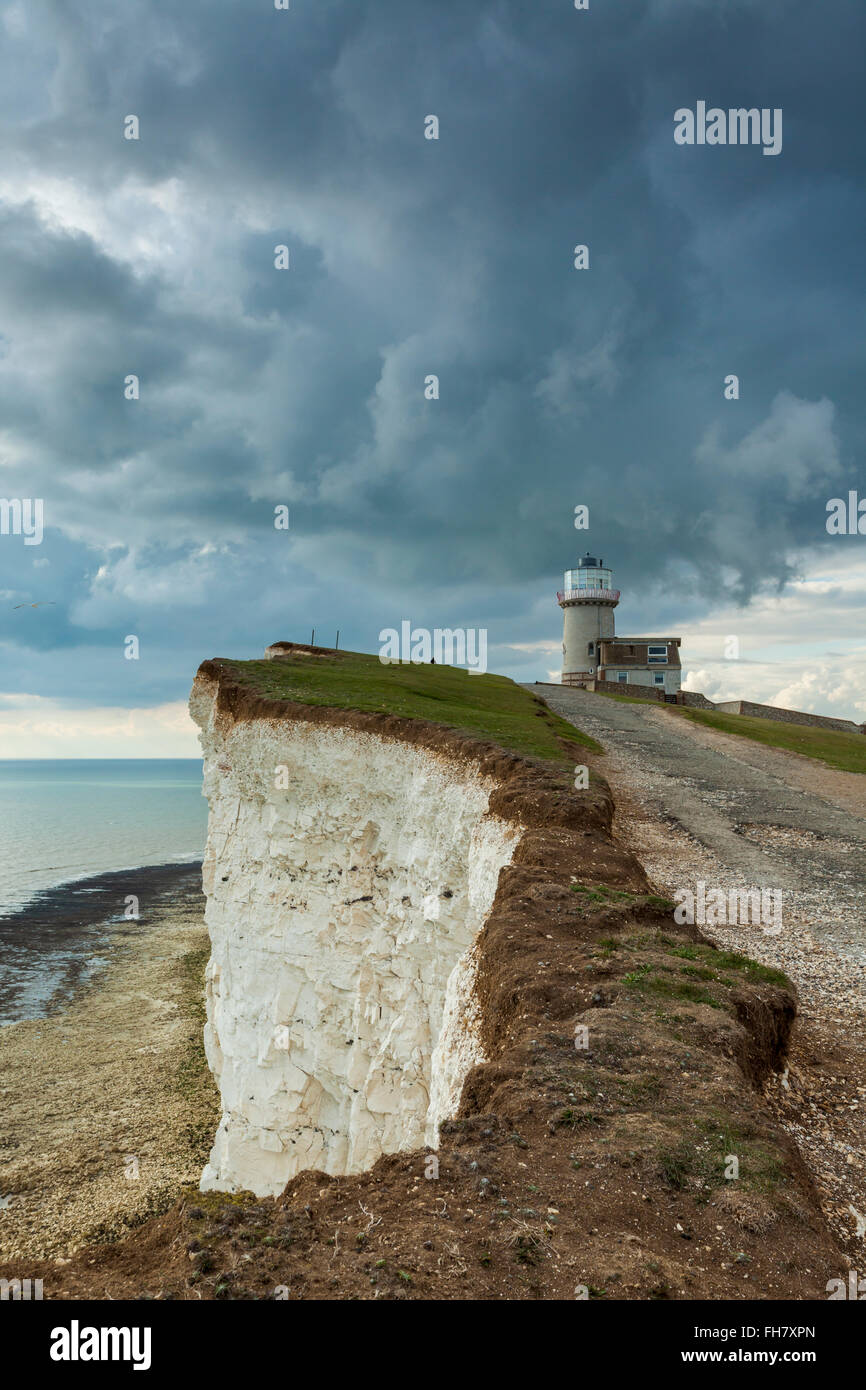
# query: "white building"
[592,651]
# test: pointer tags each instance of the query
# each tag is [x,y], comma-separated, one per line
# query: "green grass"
[488,707]
[602,893]
[699,1165]
[847,752]
[714,960]
[711,966]
[645,980]
[758,974]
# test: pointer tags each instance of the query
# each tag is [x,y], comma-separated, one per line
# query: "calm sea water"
[66,820]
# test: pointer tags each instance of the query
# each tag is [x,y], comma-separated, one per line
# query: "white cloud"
[828,687]
[802,649]
[543,646]
[34,727]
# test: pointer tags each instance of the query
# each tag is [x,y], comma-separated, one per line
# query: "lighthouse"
[593,655]
[587,602]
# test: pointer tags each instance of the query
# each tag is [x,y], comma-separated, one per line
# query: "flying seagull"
[44,603]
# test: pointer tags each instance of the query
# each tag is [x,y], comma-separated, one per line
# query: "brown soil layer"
[580,1163]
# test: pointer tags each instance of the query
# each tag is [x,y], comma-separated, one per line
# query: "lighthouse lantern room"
[591,652]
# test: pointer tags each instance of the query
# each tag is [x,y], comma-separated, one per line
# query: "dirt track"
[693,804]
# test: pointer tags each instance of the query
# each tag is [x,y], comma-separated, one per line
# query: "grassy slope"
[831,746]
[488,707]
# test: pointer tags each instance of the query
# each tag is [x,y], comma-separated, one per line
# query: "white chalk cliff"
[347,877]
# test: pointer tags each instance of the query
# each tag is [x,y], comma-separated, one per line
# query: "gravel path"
[696,805]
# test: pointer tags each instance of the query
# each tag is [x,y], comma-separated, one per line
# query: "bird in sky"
[44,603]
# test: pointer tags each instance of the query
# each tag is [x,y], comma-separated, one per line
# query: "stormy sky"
[411,257]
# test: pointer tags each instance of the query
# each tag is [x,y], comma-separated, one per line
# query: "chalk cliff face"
[347,876]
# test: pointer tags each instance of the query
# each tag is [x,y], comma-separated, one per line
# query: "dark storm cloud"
[412,257]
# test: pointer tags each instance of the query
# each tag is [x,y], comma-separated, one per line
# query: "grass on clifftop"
[831,746]
[487,707]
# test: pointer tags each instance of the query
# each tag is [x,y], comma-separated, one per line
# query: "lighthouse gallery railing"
[587,596]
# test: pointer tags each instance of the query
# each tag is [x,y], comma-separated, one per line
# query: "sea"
[77,837]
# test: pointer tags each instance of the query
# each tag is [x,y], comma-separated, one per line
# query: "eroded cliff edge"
[528,980]
[347,878]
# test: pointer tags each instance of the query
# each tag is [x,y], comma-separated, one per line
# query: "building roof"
[654,640]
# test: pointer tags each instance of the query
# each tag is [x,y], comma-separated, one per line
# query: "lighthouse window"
[591,648]
[657,655]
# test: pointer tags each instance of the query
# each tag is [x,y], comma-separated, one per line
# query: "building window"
[591,648]
[657,656]
[658,678]
[622,677]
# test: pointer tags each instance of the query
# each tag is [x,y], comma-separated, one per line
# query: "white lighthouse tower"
[587,602]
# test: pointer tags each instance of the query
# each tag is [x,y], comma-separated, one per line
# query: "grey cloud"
[412,257]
